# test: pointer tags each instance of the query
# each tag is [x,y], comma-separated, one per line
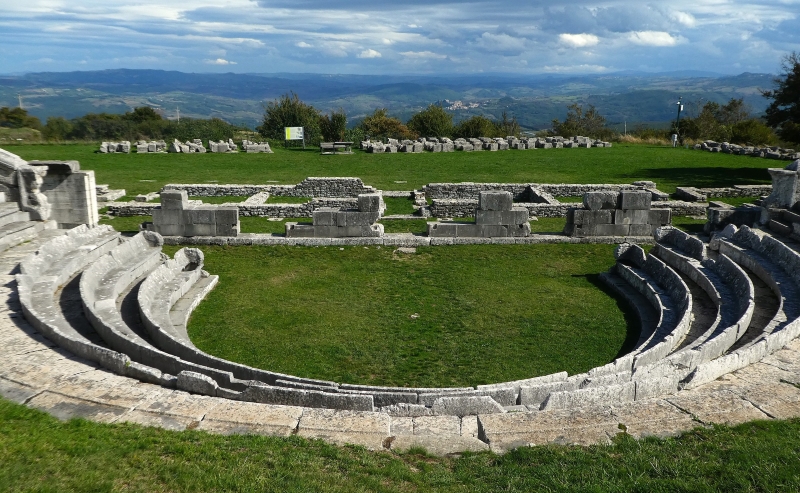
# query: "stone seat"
[41,275]
[776,265]
[100,287]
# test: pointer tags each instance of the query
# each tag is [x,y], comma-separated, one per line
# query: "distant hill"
[240,98]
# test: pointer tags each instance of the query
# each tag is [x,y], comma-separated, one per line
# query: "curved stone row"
[437,414]
[166,356]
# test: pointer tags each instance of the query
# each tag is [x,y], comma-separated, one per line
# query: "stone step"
[14,233]
[779,227]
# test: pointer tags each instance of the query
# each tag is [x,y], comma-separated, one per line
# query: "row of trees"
[434,121]
[731,122]
[140,123]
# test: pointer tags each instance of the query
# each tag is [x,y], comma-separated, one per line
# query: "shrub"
[433,121]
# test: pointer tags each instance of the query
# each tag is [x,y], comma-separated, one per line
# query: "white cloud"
[219,61]
[653,38]
[370,53]
[303,44]
[423,54]
[684,18]
[578,40]
[387,41]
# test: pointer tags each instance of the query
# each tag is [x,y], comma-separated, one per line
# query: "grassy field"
[39,453]
[622,163]
[445,316]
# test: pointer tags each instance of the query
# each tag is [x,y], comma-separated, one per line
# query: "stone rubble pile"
[772,152]
[253,147]
[108,147]
[150,147]
[223,146]
[195,145]
[444,144]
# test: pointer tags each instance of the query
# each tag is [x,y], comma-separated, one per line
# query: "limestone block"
[233,417]
[174,199]
[631,216]
[590,218]
[359,428]
[466,405]
[534,396]
[491,230]
[642,229]
[716,406]
[612,230]
[227,215]
[64,408]
[199,215]
[370,202]
[635,199]
[495,201]
[518,215]
[325,217]
[436,445]
[162,216]
[437,425]
[660,217]
[207,229]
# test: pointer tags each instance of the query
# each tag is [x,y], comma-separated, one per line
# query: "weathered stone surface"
[341,427]
[64,408]
[197,383]
[586,426]
[438,445]
[232,417]
[462,406]
[16,392]
[723,406]
[595,201]
[653,417]
[177,410]
[437,425]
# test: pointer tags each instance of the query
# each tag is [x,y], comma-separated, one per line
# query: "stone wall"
[616,214]
[310,187]
[696,194]
[177,217]
[521,191]
[71,193]
[466,208]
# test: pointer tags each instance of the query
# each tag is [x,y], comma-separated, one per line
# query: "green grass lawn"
[39,453]
[666,166]
[445,316]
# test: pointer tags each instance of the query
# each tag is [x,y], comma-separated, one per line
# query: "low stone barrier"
[770,152]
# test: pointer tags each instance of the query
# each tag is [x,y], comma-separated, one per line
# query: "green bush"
[433,121]
[290,111]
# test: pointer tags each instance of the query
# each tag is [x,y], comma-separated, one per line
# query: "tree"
[142,114]
[290,111]
[783,114]
[476,126]
[508,127]
[380,125]
[731,122]
[333,126]
[433,121]
[18,118]
[56,128]
[587,123]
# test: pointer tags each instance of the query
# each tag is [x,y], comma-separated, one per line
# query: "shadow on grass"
[632,322]
[706,176]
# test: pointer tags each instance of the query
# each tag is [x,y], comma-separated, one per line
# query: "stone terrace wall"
[310,187]
[520,191]
[466,208]
[694,194]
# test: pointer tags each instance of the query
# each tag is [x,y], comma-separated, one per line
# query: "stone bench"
[100,287]
[41,275]
[772,262]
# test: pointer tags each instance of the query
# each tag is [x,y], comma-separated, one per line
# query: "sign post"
[295,133]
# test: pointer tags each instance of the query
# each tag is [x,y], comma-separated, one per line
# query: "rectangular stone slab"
[65,408]
[249,417]
[342,427]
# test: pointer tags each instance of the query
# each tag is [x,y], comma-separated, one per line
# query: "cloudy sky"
[397,37]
